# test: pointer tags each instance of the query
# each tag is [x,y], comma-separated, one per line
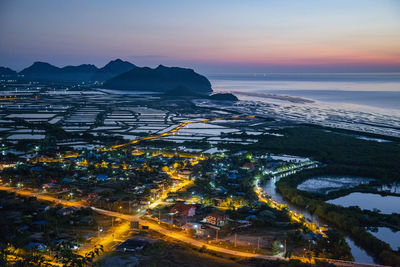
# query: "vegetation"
[342,154]
[64,255]
[380,160]
[351,220]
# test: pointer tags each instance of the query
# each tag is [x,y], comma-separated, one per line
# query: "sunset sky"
[211,36]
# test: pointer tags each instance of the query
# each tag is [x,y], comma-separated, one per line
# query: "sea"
[366,102]
[371,101]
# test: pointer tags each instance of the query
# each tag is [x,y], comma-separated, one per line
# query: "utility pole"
[235,239]
[285,248]
[258,243]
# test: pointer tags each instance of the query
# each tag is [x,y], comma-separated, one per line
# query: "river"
[359,254]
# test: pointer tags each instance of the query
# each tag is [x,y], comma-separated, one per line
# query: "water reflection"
[358,253]
[387,235]
[369,201]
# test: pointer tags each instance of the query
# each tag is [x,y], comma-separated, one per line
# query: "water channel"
[359,254]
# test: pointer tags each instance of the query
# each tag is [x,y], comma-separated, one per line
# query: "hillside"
[84,72]
[160,79]
[112,69]
[7,72]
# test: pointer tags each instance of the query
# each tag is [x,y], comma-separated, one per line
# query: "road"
[108,239]
[153,226]
[158,228]
[297,217]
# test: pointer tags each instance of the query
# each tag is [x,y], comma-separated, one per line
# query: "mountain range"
[4,72]
[120,75]
[85,72]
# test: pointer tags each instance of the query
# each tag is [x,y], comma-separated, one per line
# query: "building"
[199,231]
[67,211]
[217,218]
[132,245]
[181,209]
[248,166]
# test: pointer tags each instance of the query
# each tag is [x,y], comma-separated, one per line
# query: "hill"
[160,79]
[224,97]
[46,71]
[84,72]
[7,72]
[112,69]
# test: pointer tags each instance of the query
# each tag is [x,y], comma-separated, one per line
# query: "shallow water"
[327,184]
[358,253]
[387,235]
[361,102]
[369,201]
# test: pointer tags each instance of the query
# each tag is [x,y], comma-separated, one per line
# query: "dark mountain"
[112,69]
[40,68]
[84,72]
[81,68]
[7,72]
[46,71]
[160,79]
[223,97]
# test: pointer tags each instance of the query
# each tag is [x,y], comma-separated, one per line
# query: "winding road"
[157,227]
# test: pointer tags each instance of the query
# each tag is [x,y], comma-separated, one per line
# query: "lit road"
[108,239]
[153,226]
[158,228]
[293,215]
[181,236]
[173,131]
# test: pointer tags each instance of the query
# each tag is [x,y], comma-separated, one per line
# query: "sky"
[211,36]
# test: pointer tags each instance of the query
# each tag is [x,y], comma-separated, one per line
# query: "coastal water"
[369,90]
[361,102]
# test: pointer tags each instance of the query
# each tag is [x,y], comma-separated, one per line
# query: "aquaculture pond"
[369,201]
[327,184]
[387,235]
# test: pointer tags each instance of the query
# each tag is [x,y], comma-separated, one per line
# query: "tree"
[17,257]
[68,258]
[276,247]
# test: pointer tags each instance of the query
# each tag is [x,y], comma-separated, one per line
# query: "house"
[248,166]
[6,164]
[181,209]
[49,186]
[67,211]
[102,177]
[194,226]
[88,220]
[132,245]
[217,218]
[36,246]
[67,180]
[185,173]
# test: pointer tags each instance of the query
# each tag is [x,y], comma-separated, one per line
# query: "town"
[164,172]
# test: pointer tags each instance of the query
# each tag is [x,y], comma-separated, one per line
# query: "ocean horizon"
[363,90]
